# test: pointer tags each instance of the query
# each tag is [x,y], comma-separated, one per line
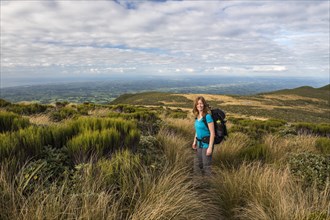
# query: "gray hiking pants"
[202,163]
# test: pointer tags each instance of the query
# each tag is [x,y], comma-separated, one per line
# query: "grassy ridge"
[153,98]
[307,91]
[297,105]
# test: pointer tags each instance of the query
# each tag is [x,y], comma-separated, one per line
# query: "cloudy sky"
[106,38]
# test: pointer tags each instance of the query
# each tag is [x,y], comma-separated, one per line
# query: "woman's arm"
[212,136]
[194,145]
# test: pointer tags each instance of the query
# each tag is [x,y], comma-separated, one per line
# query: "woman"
[204,137]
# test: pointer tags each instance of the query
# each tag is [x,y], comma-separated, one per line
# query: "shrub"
[63,113]
[175,113]
[151,153]
[4,103]
[311,168]
[51,166]
[148,122]
[85,108]
[323,145]
[322,129]
[257,128]
[61,104]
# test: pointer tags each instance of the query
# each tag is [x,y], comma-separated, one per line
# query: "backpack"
[220,128]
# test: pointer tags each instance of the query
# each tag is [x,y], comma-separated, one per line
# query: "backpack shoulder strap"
[204,120]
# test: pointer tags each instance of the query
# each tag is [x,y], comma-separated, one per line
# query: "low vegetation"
[122,161]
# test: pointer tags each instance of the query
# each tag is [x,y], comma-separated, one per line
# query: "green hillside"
[307,91]
[327,87]
[153,98]
[303,104]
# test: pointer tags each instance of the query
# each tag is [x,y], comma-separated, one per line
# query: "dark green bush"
[63,113]
[311,168]
[4,103]
[51,166]
[150,152]
[61,104]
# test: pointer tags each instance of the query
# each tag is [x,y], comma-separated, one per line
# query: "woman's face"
[200,106]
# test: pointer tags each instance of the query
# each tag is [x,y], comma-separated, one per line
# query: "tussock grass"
[176,147]
[226,153]
[280,147]
[140,194]
[174,197]
[181,127]
[256,191]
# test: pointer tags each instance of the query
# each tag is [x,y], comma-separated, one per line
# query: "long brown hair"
[206,106]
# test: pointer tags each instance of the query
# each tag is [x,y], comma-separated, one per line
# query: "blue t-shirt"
[202,130]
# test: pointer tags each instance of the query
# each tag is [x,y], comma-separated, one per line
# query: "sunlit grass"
[256,191]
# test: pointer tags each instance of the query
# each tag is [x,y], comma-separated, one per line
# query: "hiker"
[202,161]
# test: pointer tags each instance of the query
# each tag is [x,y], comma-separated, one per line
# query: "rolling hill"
[293,105]
[306,91]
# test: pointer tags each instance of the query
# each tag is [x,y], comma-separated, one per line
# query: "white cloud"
[267,68]
[173,37]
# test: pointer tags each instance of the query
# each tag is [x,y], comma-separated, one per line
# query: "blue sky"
[165,38]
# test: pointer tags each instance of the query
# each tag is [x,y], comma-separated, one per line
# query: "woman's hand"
[209,151]
[194,146]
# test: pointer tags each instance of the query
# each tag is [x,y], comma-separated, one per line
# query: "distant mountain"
[306,91]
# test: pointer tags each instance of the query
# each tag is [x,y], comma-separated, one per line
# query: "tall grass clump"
[121,169]
[119,188]
[227,152]
[85,198]
[123,126]
[256,191]
[184,127]
[100,136]
[27,109]
[323,145]
[175,147]
[173,196]
[97,143]
[12,122]
[280,147]
[22,144]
